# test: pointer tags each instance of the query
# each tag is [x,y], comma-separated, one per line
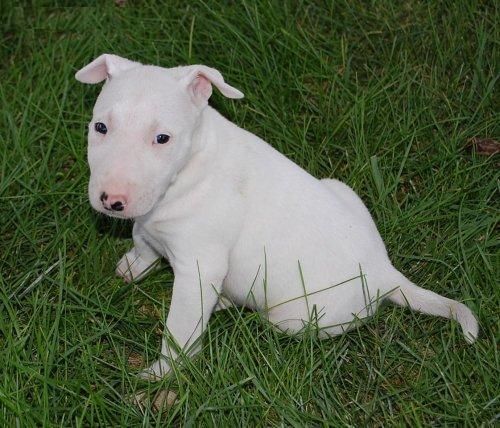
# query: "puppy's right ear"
[103,67]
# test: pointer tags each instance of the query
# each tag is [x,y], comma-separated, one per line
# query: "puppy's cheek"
[142,204]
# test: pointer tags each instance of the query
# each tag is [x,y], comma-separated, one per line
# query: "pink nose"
[113,202]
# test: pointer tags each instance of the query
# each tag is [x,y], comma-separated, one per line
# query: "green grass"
[382,95]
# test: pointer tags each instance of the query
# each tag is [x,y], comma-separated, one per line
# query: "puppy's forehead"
[151,85]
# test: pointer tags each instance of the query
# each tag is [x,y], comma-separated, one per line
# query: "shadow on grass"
[113,227]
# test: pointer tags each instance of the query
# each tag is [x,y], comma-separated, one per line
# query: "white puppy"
[237,220]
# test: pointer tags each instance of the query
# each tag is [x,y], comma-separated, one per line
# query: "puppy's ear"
[199,79]
[104,66]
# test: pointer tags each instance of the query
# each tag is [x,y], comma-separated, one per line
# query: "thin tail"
[428,302]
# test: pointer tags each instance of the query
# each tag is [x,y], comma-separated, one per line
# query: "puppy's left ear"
[104,66]
[199,80]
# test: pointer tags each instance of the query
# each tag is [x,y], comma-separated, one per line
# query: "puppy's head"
[141,130]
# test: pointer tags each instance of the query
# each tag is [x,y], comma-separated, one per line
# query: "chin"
[118,214]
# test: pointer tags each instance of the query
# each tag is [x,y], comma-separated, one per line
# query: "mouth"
[122,213]
[115,214]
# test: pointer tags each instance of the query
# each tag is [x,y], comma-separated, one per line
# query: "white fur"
[234,217]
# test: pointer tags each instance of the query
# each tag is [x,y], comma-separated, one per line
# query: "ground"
[385,95]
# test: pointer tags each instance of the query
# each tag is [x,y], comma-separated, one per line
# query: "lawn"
[384,95]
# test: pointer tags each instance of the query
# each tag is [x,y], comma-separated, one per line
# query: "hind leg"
[331,312]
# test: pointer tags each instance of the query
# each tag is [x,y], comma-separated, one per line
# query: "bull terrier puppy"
[238,221]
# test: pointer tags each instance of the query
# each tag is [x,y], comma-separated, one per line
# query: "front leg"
[136,264]
[195,293]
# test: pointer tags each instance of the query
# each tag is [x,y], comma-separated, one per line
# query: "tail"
[428,302]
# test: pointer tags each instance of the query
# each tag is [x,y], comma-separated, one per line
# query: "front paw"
[133,267]
[156,371]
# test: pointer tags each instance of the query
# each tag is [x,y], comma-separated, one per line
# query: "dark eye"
[100,127]
[162,138]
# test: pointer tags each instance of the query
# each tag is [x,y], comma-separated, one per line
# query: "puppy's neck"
[204,153]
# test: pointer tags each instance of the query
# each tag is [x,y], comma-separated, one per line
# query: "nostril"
[117,206]
[113,202]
